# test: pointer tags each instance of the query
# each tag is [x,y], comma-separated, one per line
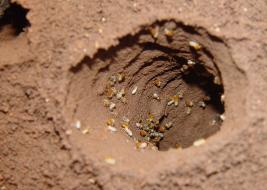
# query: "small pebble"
[191,63]
[222,117]
[93,181]
[110,160]
[103,19]
[68,132]
[77,124]
[199,142]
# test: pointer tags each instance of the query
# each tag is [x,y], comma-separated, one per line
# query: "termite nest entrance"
[13,19]
[161,87]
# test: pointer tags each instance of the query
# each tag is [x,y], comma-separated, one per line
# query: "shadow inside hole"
[15,18]
[196,76]
[199,76]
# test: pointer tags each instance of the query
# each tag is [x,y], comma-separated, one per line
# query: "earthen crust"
[67,68]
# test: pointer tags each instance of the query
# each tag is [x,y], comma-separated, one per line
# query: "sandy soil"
[133,94]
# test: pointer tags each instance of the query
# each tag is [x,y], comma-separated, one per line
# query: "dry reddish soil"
[133,94]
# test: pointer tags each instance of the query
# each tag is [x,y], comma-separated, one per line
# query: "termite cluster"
[150,128]
[113,93]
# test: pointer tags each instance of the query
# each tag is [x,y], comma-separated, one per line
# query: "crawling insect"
[110,92]
[112,106]
[128,131]
[141,145]
[139,125]
[106,102]
[125,119]
[124,100]
[110,122]
[222,117]
[143,133]
[157,83]
[199,142]
[169,33]
[134,90]
[222,98]
[147,138]
[85,131]
[112,129]
[125,125]
[188,110]
[162,129]
[217,80]
[195,45]
[174,100]
[177,146]
[191,63]
[170,102]
[206,98]
[120,77]
[110,160]
[213,122]
[189,103]
[184,68]
[202,104]
[120,94]
[156,96]
[154,31]
[168,125]
[181,95]
[77,124]
[112,80]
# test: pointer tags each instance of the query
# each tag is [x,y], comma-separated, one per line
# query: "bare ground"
[52,76]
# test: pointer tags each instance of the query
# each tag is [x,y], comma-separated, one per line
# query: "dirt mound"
[132,95]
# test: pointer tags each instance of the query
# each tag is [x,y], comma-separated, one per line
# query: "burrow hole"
[161,87]
[13,20]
